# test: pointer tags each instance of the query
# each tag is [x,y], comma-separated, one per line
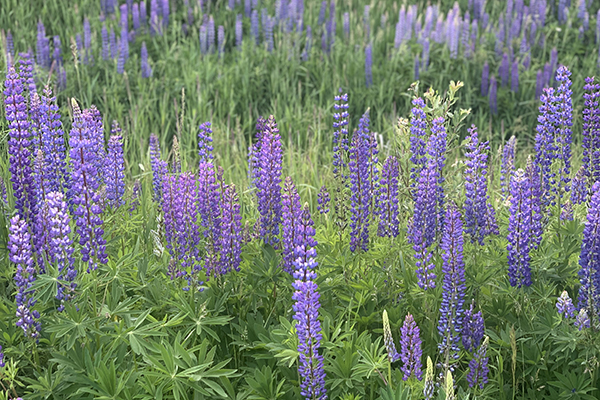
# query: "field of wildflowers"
[257,199]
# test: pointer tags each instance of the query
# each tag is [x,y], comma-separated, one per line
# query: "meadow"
[299,199]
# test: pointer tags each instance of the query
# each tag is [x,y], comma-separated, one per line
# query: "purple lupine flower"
[565,306]
[436,150]
[164,6]
[84,193]
[424,224]
[591,131]
[26,72]
[410,349]
[308,326]
[388,199]
[514,77]
[539,84]
[155,26]
[369,65]
[231,231]
[238,31]
[589,274]
[503,71]
[323,200]
[113,171]
[322,12]
[135,17]
[340,133]
[59,249]
[254,28]
[96,139]
[582,320]
[545,146]
[205,147]
[535,200]
[566,213]
[268,181]
[492,96]
[123,53]
[146,68]
[478,367]
[451,308]
[19,144]
[563,115]
[42,49]
[476,202]
[20,253]
[473,328]
[360,179]
[143,13]
[114,51]
[180,208]
[40,172]
[290,219]
[485,79]
[388,340]
[418,126]
[210,193]
[579,191]
[105,43]
[508,163]
[270,41]
[159,167]
[519,232]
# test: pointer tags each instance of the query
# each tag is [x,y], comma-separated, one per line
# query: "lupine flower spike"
[478,366]
[565,306]
[589,273]
[388,339]
[410,352]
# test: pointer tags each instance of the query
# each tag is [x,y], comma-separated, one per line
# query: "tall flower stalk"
[84,191]
[591,131]
[411,352]
[268,181]
[451,308]
[589,260]
[388,199]
[519,231]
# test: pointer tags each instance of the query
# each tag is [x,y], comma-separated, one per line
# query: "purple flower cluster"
[478,367]
[267,177]
[340,133]
[21,254]
[19,143]
[231,231]
[388,199]
[84,194]
[53,143]
[451,308]
[519,230]
[565,306]
[388,340]
[291,219]
[436,150]
[476,202]
[210,192]
[418,134]
[473,328]
[145,66]
[205,147]
[59,247]
[180,209]
[535,201]
[591,131]
[589,261]
[360,154]
[410,349]
[323,200]
[582,320]
[306,310]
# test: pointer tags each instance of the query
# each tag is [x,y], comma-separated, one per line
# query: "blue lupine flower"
[519,231]
[410,349]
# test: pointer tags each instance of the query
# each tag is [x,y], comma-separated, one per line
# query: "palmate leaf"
[176,369]
[73,325]
[398,393]
[196,317]
[373,359]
